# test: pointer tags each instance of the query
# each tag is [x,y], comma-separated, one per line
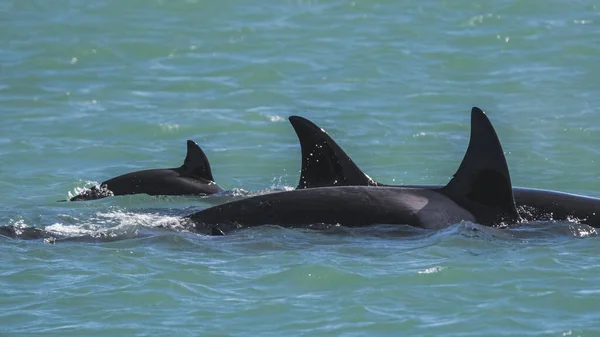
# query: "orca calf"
[480,192]
[194,177]
[324,163]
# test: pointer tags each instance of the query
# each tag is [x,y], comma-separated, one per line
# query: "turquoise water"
[91,90]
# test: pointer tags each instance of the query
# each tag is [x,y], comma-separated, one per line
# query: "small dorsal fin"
[196,162]
[324,163]
[482,183]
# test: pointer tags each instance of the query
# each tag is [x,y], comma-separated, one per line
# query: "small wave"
[529,230]
[430,270]
[552,229]
[169,127]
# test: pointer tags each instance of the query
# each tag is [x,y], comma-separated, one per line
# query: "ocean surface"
[93,89]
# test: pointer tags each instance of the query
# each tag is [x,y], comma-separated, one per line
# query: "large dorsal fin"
[482,183]
[196,162]
[324,163]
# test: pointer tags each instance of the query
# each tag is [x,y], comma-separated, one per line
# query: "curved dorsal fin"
[196,162]
[324,163]
[482,183]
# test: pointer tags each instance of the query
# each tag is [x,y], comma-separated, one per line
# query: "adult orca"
[194,177]
[480,192]
[324,163]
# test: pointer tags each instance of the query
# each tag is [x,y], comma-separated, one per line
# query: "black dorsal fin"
[482,183]
[324,163]
[196,162]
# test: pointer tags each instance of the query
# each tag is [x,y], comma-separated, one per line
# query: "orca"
[194,177]
[324,163]
[480,191]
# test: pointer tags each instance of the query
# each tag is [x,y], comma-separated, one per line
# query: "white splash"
[430,270]
[169,127]
[275,118]
[114,224]
[140,219]
[78,190]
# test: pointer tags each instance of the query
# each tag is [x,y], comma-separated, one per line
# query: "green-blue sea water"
[93,89]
